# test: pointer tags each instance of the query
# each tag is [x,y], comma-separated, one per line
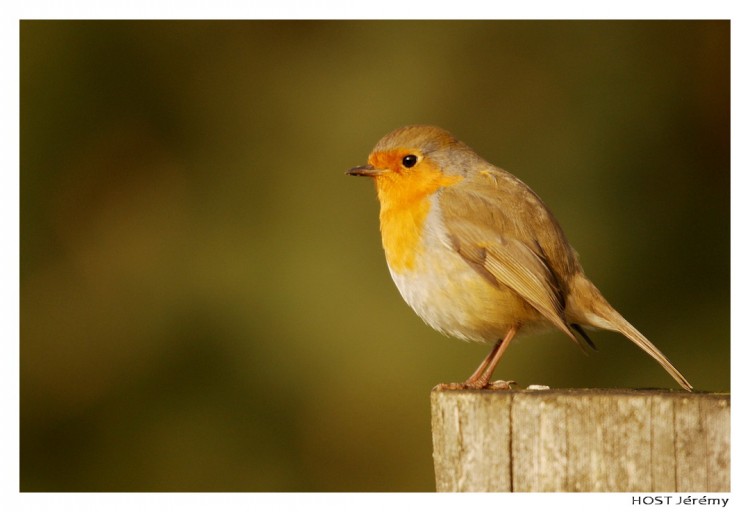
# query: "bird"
[477,254]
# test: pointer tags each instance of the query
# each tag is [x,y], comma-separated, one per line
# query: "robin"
[477,254]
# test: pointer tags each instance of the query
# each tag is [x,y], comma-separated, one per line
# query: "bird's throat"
[404,205]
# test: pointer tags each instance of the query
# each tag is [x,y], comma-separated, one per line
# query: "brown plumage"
[476,253]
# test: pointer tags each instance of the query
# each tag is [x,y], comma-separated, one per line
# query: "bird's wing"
[481,231]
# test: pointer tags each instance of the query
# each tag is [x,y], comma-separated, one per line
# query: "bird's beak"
[365,170]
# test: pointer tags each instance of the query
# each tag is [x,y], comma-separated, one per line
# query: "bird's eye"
[409,161]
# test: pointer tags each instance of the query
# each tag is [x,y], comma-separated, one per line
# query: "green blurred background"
[204,301]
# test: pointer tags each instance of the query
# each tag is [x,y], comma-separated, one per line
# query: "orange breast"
[401,230]
[404,204]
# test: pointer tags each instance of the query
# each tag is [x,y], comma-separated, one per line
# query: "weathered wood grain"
[581,440]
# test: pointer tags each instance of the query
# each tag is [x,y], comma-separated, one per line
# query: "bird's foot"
[460,386]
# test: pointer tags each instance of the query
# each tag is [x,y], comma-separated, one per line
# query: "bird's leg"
[480,370]
[481,377]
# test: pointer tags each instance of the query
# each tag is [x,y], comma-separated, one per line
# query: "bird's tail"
[594,310]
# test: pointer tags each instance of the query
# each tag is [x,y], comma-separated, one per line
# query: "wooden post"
[596,440]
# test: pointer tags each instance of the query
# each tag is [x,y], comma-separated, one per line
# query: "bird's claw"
[461,386]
